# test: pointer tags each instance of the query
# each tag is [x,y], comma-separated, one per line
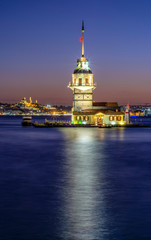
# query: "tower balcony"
[82,86]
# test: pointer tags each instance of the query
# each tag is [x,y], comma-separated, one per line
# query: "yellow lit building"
[85,110]
[28,104]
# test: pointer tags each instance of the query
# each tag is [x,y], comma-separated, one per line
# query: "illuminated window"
[80,81]
[86,118]
[118,118]
[111,118]
[78,118]
[74,81]
[87,81]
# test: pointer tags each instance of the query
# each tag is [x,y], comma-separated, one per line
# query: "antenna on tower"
[82,38]
[82,25]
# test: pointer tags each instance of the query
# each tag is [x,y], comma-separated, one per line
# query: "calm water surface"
[74,183]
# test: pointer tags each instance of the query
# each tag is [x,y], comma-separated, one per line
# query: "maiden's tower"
[85,110]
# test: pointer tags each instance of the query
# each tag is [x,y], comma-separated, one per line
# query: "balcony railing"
[81,84]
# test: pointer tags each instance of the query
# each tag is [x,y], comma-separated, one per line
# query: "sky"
[39,48]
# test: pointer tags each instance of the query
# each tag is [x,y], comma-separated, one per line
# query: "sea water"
[74,183]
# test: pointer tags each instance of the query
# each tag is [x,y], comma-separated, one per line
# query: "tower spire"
[82,38]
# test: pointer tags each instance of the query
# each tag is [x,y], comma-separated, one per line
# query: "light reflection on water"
[103,184]
[74,183]
[83,197]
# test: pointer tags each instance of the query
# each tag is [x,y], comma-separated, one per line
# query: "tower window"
[86,81]
[80,81]
[74,81]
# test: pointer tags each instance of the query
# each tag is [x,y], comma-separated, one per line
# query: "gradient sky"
[39,46]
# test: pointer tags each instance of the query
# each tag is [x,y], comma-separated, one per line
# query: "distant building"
[28,105]
[85,110]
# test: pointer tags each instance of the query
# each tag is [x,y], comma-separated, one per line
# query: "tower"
[127,114]
[82,82]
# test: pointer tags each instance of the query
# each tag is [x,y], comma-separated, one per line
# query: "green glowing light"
[85,65]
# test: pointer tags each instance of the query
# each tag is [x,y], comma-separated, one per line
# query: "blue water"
[74,183]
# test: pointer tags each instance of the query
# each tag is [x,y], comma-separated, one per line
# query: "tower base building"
[85,110]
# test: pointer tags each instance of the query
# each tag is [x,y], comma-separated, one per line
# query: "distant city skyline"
[40,45]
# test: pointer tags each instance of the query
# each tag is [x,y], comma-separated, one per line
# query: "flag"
[81,38]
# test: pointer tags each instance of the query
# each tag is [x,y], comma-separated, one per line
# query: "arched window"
[86,81]
[80,81]
[118,118]
[111,118]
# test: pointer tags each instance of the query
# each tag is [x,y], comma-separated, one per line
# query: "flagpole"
[82,38]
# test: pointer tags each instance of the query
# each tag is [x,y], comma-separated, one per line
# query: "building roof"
[82,71]
[105,104]
[82,66]
[97,111]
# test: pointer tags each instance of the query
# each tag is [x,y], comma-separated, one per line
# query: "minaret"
[30,100]
[82,83]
